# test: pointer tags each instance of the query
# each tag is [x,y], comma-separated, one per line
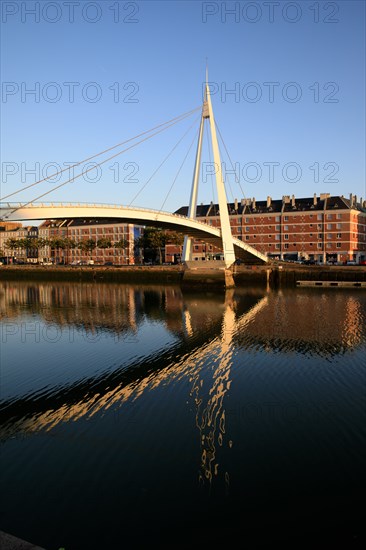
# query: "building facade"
[122,238]
[322,228]
[11,231]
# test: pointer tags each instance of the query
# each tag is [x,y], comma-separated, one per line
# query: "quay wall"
[263,276]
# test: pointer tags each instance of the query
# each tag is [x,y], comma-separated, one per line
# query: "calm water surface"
[133,416]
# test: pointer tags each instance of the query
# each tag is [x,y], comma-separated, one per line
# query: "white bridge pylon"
[228,243]
[138,216]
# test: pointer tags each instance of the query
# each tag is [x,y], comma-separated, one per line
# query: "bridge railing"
[99,205]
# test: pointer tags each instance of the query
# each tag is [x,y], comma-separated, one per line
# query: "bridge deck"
[138,216]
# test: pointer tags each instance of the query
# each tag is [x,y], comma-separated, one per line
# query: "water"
[133,416]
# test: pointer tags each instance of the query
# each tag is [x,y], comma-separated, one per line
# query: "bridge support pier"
[212,274]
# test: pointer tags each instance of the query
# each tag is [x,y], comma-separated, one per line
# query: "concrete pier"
[209,273]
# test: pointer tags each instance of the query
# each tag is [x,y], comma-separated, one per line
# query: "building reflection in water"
[208,331]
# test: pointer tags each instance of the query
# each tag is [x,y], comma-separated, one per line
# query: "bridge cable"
[231,162]
[161,164]
[184,115]
[89,169]
[223,177]
[180,168]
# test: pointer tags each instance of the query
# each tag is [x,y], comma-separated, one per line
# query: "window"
[338,245]
[246,220]
[329,226]
[339,216]
[329,235]
[320,235]
[278,227]
[329,245]
[277,237]
[286,218]
[270,236]
[277,245]
[286,245]
[286,237]
[277,218]
[247,229]
[339,226]
[339,235]
[319,217]
[310,235]
[247,237]
[320,226]
[285,228]
[319,245]
[329,216]
[196,246]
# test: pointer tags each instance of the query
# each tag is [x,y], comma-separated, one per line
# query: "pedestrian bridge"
[138,216]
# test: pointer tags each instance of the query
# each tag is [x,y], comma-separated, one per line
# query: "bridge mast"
[226,235]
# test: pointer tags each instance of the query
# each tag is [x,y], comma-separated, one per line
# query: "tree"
[11,244]
[69,244]
[177,239]
[104,242]
[121,244]
[153,241]
[87,245]
[57,244]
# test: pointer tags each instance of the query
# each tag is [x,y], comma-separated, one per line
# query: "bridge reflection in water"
[158,401]
[205,330]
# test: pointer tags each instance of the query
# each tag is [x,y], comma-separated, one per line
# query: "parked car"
[362,262]
[351,262]
[108,263]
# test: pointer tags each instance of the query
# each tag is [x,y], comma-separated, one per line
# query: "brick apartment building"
[76,230]
[15,230]
[95,229]
[323,228]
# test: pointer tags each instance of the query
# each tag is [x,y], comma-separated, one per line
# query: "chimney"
[242,202]
[253,203]
[351,199]
[355,199]
[269,201]
[315,200]
[324,196]
[293,201]
[236,204]
[286,199]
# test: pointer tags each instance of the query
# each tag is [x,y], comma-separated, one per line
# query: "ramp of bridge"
[138,216]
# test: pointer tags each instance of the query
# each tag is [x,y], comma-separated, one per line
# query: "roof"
[287,204]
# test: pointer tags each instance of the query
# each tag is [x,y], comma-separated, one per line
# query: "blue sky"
[294,122]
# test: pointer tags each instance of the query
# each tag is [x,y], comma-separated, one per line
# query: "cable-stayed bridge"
[220,237]
[139,216]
